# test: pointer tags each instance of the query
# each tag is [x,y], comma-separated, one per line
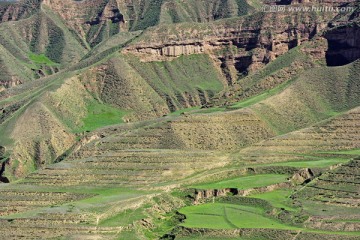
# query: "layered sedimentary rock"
[174,50]
[238,46]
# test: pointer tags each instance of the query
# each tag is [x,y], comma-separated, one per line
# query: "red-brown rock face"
[239,46]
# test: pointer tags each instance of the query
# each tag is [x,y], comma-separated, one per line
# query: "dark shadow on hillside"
[2,170]
[343,45]
[3,163]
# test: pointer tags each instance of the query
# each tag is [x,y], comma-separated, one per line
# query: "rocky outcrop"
[173,50]
[256,31]
[11,83]
[2,170]
[302,176]
[202,194]
[209,193]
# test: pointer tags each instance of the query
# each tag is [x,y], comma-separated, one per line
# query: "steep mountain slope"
[45,36]
[40,45]
[10,11]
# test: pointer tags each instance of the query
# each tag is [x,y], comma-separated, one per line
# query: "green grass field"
[349,152]
[228,216]
[38,61]
[278,198]
[100,115]
[41,59]
[246,182]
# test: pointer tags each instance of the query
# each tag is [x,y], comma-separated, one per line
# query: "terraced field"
[339,186]
[79,218]
[39,212]
[341,133]
[195,133]
[123,168]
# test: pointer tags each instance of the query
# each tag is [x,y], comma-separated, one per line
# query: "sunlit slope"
[317,94]
[149,90]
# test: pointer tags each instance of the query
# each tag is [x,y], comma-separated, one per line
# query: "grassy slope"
[278,198]
[81,111]
[74,107]
[252,90]
[202,11]
[184,75]
[101,115]
[311,98]
[145,14]
[12,67]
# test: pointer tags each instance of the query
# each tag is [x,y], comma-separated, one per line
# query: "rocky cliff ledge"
[274,32]
[237,46]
